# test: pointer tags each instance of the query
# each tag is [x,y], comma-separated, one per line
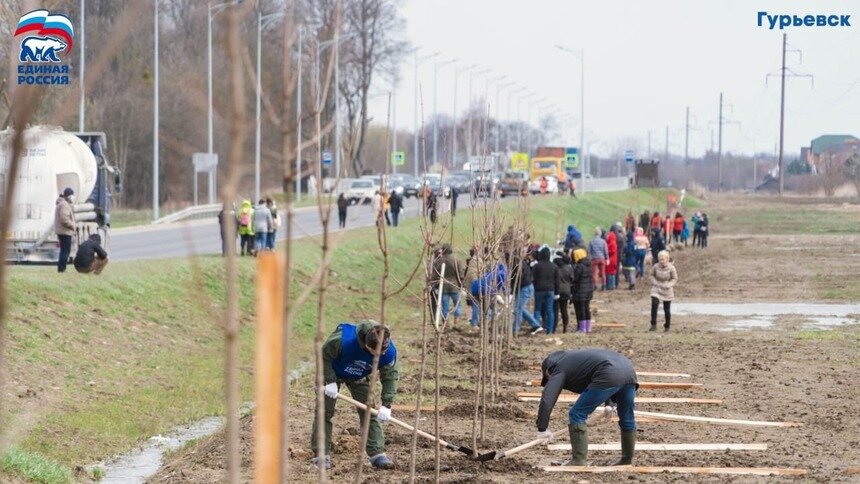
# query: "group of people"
[675,227]
[387,206]
[90,256]
[256,227]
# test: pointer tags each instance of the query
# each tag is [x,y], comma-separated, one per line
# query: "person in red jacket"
[656,220]
[667,228]
[678,228]
[612,262]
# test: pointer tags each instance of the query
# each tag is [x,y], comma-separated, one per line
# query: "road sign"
[204,162]
[571,160]
[398,158]
[326,158]
[628,156]
[520,161]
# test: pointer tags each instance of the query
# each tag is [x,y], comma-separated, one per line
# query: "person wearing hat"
[348,356]
[599,376]
[64,226]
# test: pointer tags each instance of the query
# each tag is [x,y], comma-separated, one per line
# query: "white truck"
[53,159]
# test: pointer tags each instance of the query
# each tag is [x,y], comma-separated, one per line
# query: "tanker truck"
[53,159]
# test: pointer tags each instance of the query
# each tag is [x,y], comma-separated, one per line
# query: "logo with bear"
[48,36]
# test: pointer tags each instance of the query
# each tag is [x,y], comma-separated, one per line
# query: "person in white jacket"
[263,224]
[376,206]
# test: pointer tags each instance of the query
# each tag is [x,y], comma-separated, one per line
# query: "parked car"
[455,182]
[405,185]
[361,191]
[551,185]
[513,183]
[483,184]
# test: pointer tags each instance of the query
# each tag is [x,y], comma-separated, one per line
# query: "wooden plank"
[664,374]
[648,385]
[853,470]
[734,471]
[535,397]
[666,447]
[720,421]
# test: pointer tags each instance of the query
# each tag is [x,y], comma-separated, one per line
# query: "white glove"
[330,390]
[384,414]
[555,297]
[546,435]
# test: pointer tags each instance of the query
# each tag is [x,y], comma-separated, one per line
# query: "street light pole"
[418,128]
[81,77]
[155,120]
[583,161]
[499,88]
[469,111]
[299,120]
[262,21]
[218,8]
[454,137]
[436,67]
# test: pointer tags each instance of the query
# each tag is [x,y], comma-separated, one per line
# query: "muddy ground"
[783,373]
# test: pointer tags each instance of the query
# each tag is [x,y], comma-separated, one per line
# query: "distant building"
[828,149]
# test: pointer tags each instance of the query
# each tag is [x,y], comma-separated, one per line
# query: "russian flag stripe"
[58,20]
[29,28]
[34,14]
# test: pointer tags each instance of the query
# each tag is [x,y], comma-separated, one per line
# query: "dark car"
[408,183]
[513,183]
[482,184]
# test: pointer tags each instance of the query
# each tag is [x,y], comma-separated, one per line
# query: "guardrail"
[199,211]
[605,184]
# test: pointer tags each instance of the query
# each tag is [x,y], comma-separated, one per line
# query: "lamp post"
[436,67]
[499,89]
[489,82]
[511,94]
[82,36]
[155,120]
[417,62]
[469,112]
[322,46]
[212,11]
[454,137]
[520,99]
[262,22]
[582,162]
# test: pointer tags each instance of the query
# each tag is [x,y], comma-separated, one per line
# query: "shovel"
[408,427]
[496,455]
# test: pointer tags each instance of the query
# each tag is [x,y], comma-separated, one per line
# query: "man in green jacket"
[348,359]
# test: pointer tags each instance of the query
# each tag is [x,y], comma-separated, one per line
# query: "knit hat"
[68,192]
[371,339]
[579,254]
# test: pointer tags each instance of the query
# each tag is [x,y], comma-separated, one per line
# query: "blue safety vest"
[354,363]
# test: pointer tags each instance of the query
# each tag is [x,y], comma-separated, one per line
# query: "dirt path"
[783,373]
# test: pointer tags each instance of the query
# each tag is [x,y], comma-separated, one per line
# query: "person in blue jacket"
[573,239]
[629,261]
[348,356]
[484,289]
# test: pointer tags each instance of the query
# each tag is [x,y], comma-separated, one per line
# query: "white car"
[551,185]
[361,191]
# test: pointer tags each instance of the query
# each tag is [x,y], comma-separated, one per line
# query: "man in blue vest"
[348,359]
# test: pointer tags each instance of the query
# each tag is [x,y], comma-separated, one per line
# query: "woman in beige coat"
[663,278]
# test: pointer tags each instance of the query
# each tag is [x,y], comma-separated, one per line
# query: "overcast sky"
[645,62]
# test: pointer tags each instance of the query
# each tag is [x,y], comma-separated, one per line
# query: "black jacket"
[526,277]
[396,203]
[657,243]
[88,251]
[565,276]
[583,283]
[576,370]
[545,273]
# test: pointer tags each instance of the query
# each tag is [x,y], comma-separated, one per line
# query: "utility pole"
[299,119]
[155,124]
[82,104]
[649,144]
[782,117]
[720,149]
[687,138]
[393,127]
[666,149]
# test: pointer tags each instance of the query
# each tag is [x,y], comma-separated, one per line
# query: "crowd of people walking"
[542,283]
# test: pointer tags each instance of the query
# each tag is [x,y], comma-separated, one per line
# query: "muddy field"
[785,371]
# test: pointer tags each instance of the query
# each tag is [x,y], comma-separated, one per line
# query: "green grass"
[784,218]
[138,350]
[34,467]
[120,218]
[818,335]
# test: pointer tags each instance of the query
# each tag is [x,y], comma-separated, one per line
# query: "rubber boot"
[578,444]
[587,325]
[628,444]
[580,326]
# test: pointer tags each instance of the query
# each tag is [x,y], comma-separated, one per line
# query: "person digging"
[348,359]
[598,376]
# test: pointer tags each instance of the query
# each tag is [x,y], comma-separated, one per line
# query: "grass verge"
[34,467]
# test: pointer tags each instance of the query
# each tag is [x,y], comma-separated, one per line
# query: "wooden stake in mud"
[268,372]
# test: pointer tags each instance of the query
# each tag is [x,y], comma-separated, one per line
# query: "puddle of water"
[828,322]
[755,322]
[762,315]
[139,465]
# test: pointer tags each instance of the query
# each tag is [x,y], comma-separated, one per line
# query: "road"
[200,237]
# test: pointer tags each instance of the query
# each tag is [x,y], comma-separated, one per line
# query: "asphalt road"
[200,237]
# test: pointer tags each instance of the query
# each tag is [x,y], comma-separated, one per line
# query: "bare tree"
[375,47]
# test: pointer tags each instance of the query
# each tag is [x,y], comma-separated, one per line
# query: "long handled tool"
[496,455]
[408,427]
